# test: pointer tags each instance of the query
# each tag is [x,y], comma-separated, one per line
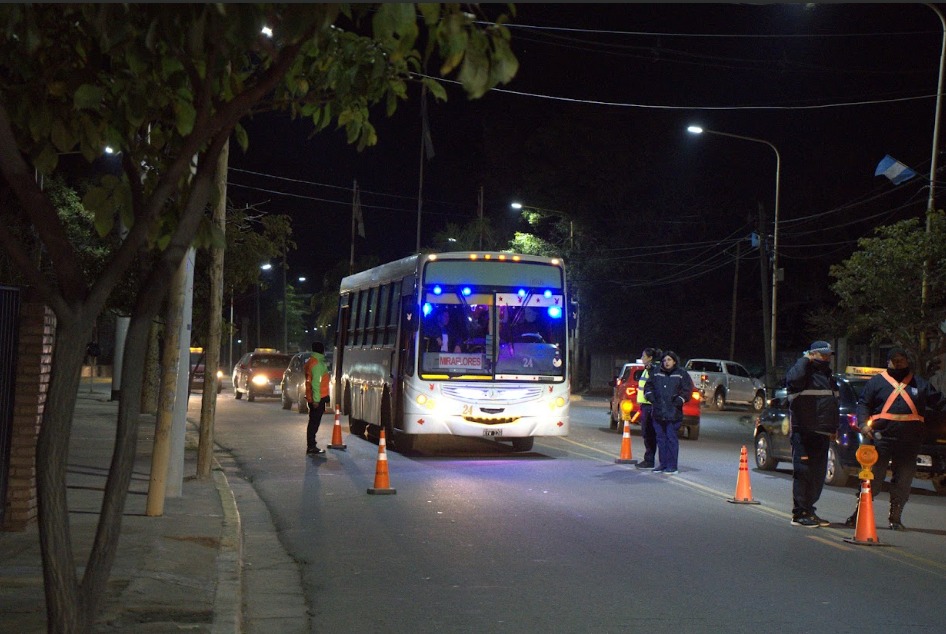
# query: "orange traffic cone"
[337,432]
[743,486]
[865,531]
[626,446]
[381,484]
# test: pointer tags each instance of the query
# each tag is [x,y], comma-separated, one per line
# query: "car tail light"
[696,395]
[852,422]
[630,392]
[703,378]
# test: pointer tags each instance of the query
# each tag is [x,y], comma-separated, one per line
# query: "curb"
[228,598]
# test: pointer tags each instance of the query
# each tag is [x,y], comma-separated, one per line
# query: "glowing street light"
[694,129]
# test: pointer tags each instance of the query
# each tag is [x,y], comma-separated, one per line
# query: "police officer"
[646,409]
[813,411]
[890,413]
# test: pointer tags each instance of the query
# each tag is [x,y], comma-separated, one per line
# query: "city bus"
[468,344]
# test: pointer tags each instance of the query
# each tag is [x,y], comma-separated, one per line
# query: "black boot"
[852,521]
[895,510]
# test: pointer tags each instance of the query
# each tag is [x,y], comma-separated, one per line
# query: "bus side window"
[353,319]
[390,330]
[381,322]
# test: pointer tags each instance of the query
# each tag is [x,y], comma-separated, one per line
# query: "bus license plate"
[924,461]
[492,432]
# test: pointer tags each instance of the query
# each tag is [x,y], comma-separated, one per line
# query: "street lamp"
[259,284]
[693,129]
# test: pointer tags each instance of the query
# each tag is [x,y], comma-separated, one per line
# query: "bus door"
[404,363]
[341,341]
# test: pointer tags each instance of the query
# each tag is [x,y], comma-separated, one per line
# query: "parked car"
[197,371]
[772,444]
[293,383]
[623,404]
[259,373]
[721,381]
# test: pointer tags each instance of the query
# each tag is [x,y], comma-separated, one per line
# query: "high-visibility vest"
[323,379]
[899,389]
[641,382]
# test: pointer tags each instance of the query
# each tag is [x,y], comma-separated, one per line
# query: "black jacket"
[668,391]
[925,397]
[812,397]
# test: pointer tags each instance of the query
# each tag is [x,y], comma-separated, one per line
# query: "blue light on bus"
[522,292]
[555,312]
[427,308]
[547,294]
[437,290]
[466,291]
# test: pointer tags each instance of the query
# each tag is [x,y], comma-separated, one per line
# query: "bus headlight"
[557,402]
[422,399]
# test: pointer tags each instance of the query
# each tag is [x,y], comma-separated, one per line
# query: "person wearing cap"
[813,412]
[891,412]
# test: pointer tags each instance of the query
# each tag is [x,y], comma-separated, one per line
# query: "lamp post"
[930,205]
[778,178]
[259,284]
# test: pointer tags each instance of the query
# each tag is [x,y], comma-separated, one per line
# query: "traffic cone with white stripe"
[743,486]
[626,446]
[382,485]
[337,432]
[865,531]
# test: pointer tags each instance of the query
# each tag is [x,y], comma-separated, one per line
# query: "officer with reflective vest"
[890,413]
[647,419]
[316,378]
[813,411]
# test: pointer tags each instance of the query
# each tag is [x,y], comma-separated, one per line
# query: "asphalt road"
[563,539]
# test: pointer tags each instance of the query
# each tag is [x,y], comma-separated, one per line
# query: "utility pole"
[735,293]
[766,323]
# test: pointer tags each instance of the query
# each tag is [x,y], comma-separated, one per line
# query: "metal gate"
[9,340]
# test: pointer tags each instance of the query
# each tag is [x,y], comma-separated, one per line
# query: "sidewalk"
[180,571]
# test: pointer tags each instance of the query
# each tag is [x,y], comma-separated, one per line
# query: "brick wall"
[37,333]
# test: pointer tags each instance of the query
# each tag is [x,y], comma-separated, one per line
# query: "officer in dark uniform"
[890,412]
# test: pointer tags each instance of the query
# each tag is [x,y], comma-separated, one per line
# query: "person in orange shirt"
[316,374]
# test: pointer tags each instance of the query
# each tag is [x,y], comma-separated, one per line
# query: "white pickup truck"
[722,382]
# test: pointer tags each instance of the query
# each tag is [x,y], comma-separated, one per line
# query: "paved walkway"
[209,564]
[212,563]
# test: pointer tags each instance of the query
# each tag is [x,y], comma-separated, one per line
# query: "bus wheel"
[523,444]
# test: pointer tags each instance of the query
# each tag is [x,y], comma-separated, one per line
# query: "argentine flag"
[893,169]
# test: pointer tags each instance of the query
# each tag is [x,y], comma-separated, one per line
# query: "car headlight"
[219,374]
[260,379]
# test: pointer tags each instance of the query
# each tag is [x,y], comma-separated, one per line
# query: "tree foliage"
[167,86]
[879,287]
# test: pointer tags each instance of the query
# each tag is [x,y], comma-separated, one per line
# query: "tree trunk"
[64,610]
[208,403]
[152,379]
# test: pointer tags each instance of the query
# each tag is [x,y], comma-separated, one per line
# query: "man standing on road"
[668,389]
[648,432]
[813,411]
[316,394]
[890,413]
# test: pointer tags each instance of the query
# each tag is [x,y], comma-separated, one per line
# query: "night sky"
[834,88]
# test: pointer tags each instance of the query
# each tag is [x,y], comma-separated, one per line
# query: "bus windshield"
[480,332]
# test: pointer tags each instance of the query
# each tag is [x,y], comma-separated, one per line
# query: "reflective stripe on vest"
[899,389]
[791,397]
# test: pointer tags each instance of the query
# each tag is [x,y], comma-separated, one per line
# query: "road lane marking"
[828,542]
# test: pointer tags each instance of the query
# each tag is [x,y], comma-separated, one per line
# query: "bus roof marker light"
[427,308]
[547,294]
[437,290]
[522,292]
[555,312]
[466,291]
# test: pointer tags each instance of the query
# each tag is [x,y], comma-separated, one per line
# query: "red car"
[624,405]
